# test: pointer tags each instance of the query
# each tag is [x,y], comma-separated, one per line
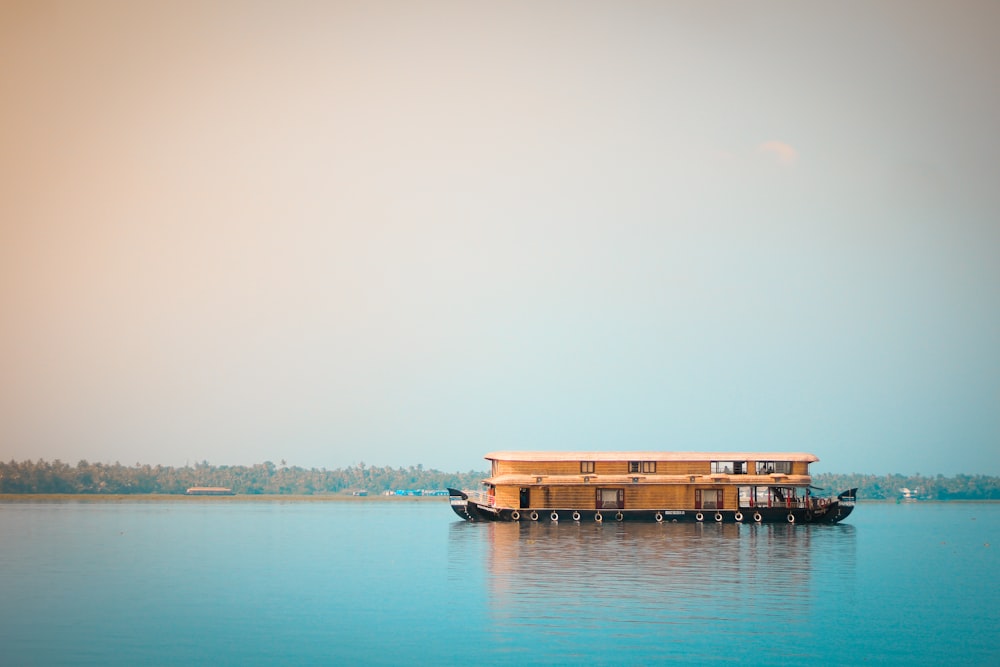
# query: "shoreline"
[181,497]
[300,498]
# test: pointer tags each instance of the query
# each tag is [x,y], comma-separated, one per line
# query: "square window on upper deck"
[768,467]
[729,467]
[586,466]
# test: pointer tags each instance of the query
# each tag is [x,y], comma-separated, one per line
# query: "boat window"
[768,467]
[642,466]
[707,499]
[729,467]
[773,496]
[586,466]
[610,499]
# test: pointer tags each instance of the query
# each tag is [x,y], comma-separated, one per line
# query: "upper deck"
[552,456]
[648,467]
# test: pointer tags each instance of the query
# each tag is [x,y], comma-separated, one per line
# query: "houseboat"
[714,487]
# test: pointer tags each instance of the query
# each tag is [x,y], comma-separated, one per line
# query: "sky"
[407,233]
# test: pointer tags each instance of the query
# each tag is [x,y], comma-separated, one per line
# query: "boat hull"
[835,511]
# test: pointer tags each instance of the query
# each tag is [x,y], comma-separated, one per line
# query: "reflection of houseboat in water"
[761,487]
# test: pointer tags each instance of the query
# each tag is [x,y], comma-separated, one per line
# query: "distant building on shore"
[210,491]
[417,492]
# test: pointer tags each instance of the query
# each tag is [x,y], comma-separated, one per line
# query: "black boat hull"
[837,510]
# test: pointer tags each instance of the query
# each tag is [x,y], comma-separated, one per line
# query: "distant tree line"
[262,478]
[267,478]
[888,487]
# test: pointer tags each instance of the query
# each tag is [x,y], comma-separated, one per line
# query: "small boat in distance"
[210,491]
[757,487]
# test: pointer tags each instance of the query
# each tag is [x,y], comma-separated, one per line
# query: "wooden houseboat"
[760,487]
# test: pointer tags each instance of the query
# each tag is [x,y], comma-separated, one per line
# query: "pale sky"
[416,232]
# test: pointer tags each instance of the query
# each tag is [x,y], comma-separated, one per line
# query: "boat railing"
[788,503]
[848,497]
[481,498]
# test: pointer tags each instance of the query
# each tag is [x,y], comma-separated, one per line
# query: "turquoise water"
[242,583]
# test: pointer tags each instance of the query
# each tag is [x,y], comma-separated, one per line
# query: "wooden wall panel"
[508,496]
[539,467]
[677,496]
[646,496]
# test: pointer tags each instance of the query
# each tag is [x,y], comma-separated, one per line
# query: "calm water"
[203,582]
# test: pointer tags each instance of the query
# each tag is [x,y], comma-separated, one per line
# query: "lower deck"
[747,503]
[693,497]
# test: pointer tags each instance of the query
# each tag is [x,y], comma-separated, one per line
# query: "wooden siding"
[637,496]
[538,467]
[508,496]
[541,468]
[650,456]
[544,468]
[677,496]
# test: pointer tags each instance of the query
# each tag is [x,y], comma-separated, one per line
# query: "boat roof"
[650,456]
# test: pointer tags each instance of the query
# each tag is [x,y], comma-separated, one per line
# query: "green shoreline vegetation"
[269,481]
[265,478]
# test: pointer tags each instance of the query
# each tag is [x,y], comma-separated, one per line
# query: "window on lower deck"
[772,496]
[610,499]
[707,499]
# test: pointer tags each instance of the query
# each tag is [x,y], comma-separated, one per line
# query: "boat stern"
[459,502]
[841,508]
